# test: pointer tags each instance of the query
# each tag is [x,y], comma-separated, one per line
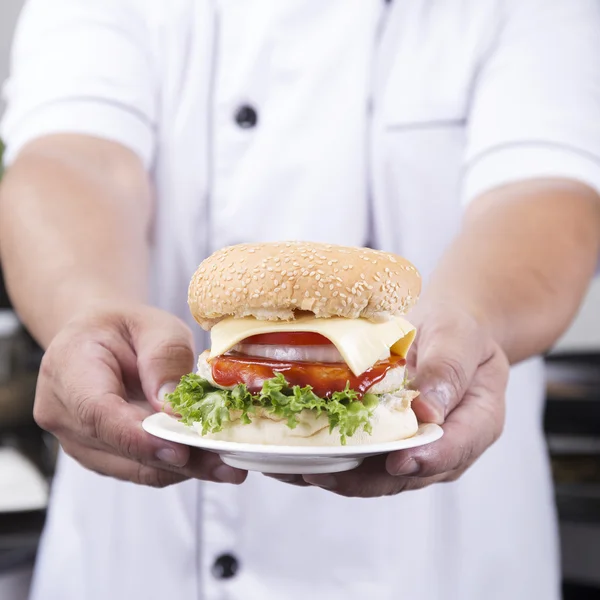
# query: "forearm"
[522,262]
[74,216]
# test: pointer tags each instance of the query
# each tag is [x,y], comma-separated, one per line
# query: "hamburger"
[308,346]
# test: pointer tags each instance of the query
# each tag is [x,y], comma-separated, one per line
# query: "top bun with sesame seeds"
[271,281]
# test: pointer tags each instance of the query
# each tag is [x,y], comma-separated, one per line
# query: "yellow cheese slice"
[360,342]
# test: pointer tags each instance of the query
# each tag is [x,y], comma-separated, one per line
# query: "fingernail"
[225,474]
[167,388]
[410,467]
[171,457]
[329,482]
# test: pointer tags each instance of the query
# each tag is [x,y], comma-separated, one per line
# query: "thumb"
[446,361]
[165,352]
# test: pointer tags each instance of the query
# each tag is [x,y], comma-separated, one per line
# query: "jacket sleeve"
[535,109]
[81,67]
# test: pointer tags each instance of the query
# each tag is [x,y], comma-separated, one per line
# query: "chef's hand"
[462,375]
[101,376]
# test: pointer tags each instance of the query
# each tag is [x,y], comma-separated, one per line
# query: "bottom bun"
[392,420]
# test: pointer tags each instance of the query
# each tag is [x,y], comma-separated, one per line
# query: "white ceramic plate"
[298,460]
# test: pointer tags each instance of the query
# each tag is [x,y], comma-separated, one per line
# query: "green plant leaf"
[196,400]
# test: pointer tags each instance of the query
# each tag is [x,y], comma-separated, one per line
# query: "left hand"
[462,375]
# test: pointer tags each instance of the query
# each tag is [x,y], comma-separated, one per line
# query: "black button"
[225,567]
[246,117]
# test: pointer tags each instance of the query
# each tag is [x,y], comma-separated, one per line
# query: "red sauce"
[324,378]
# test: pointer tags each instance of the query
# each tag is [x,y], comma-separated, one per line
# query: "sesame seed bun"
[271,281]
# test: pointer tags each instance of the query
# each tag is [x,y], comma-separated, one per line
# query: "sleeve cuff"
[514,163]
[98,118]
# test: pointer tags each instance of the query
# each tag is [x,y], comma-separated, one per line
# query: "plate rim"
[431,430]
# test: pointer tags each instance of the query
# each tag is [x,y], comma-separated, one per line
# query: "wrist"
[486,318]
[93,307]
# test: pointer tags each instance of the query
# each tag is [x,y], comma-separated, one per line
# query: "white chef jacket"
[348,121]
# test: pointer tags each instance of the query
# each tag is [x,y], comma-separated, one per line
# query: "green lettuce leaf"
[196,400]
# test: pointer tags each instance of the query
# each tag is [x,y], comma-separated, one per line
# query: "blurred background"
[572,424]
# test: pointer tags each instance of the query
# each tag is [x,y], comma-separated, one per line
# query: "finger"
[94,454]
[208,466]
[468,431]
[373,485]
[165,352]
[448,356]
[121,468]
[111,420]
[369,480]
[289,479]
[74,368]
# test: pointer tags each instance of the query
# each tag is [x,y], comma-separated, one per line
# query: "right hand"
[101,376]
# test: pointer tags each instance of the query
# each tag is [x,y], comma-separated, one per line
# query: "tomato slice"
[288,338]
